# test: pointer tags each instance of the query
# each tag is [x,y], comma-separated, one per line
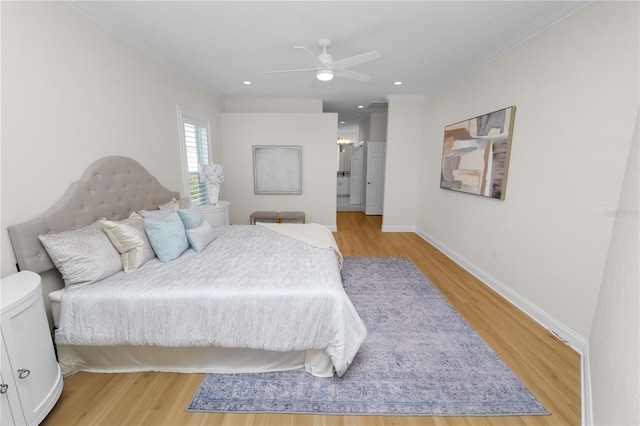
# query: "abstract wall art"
[277,169]
[475,154]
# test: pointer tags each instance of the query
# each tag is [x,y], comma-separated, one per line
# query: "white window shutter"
[195,151]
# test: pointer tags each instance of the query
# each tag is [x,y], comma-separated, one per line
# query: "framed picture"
[475,154]
[277,169]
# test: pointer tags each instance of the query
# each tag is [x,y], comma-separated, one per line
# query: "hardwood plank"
[547,366]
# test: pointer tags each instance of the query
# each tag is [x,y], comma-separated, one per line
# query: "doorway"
[376,153]
[349,178]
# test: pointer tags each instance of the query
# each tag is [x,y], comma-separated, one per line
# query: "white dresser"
[30,375]
[217,214]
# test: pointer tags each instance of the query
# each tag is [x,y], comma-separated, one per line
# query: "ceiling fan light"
[324,75]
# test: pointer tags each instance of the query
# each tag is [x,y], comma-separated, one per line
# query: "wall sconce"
[343,141]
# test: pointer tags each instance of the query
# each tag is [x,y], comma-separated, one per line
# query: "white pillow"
[200,236]
[82,256]
[130,239]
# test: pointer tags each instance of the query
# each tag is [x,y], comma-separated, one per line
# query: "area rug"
[420,358]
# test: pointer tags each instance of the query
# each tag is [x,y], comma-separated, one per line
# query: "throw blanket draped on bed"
[250,288]
[313,234]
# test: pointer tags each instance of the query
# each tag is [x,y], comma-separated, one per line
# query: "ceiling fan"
[326,68]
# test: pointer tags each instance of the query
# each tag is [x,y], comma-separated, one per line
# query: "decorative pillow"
[82,256]
[130,239]
[200,236]
[184,202]
[191,217]
[170,205]
[159,214]
[167,237]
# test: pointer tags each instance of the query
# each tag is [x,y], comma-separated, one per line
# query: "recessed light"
[342,122]
[360,106]
[397,83]
[247,83]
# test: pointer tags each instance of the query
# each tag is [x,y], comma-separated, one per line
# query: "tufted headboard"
[110,188]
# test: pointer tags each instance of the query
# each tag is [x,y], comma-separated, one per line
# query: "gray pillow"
[160,213]
[82,256]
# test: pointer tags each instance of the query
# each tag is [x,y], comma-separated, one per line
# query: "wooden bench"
[268,215]
[276,217]
[291,216]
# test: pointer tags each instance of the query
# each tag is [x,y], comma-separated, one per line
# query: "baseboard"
[332,228]
[585,376]
[561,331]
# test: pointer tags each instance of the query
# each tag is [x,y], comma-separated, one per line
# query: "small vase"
[213,191]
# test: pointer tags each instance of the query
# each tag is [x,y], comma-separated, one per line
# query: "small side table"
[269,215]
[31,377]
[286,216]
[216,214]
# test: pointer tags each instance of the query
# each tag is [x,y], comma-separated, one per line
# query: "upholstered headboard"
[110,188]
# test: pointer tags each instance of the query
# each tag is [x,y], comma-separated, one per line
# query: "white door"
[376,153]
[356,176]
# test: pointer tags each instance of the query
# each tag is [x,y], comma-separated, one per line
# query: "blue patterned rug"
[420,358]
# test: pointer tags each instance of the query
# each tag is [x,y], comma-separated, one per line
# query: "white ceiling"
[428,45]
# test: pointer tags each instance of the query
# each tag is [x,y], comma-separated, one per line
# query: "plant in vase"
[212,175]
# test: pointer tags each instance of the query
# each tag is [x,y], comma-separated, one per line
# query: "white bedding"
[250,288]
[312,234]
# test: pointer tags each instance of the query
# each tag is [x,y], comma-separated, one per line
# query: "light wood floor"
[547,366]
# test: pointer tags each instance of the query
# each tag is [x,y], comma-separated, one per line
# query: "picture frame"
[476,152]
[277,169]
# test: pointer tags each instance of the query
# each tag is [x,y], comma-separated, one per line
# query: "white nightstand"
[30,375]
[217,214]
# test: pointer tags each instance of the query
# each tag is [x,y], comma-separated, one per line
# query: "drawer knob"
[23,373]
[3,388]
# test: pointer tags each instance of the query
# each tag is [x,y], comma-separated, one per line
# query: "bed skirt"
[126,359]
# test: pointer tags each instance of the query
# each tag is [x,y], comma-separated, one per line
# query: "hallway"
[343,205]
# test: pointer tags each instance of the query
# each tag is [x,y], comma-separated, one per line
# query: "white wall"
[273,105]
[315,132]
[403,164]
[575,87]
[373,128]
[614,343]
[73,93]
[378,127]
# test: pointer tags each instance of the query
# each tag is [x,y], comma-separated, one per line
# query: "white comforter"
[312,234]
[250,288]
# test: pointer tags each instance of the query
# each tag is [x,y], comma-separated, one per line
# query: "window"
[194,138]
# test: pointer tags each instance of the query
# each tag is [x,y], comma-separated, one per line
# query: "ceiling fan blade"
[300,70]
[355,60]
[315,57]
[352,75]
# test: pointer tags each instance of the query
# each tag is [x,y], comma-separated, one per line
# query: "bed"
[254,298]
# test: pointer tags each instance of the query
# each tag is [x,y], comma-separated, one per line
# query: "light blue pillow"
[191,217]
[200,236]
[167,237]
